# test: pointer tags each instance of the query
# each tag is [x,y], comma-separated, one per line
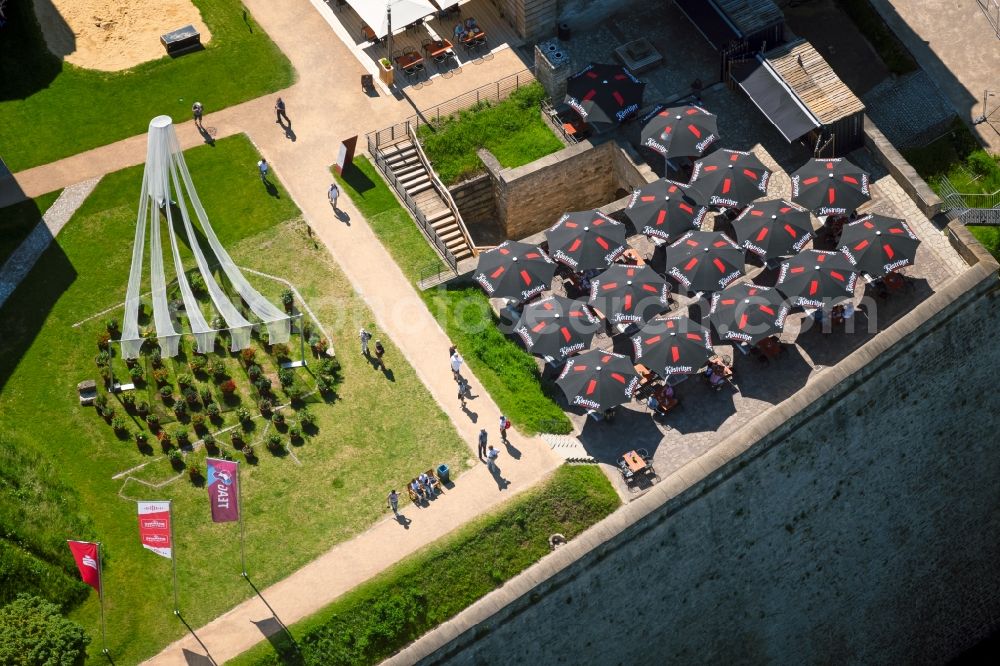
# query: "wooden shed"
[728,24]
[798,91]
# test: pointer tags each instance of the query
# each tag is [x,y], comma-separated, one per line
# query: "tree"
[33,633]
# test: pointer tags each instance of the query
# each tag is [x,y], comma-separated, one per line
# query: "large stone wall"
[857,522]
[474,199]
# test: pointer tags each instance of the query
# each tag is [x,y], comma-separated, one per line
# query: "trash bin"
[443,473]
[563,32]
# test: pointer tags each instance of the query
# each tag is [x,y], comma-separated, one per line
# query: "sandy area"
[112,35]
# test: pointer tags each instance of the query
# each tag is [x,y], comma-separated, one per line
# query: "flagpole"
[173,557]
[100,595]
[239,501]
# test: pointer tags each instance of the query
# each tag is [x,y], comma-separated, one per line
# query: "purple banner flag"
[223,492]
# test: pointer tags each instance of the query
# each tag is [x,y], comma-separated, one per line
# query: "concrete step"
[444,223]
[397,148]
[407,168]
[403,159]
[413,177]
[437,214]
[417,189]
[451,237]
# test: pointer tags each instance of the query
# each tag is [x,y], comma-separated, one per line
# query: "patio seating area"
[432,46]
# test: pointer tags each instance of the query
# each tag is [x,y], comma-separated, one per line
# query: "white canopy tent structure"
[167,190]
[376,13]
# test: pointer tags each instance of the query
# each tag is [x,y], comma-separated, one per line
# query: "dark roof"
[814,81]
[709,21]
[775,100]
[751,16]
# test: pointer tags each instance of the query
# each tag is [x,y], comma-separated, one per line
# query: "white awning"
[404,12]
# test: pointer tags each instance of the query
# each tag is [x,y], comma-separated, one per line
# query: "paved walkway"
[956,45]
[326,106]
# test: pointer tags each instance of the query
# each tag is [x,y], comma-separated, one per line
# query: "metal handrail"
[442,191]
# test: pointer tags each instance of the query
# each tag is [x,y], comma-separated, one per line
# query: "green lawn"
[895,56]
[17,221]
[513,130]
[507,371]
[50,109]
[329,488]
[378,618]
[972,170]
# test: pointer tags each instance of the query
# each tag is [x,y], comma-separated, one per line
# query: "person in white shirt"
[456,365]
[333,193]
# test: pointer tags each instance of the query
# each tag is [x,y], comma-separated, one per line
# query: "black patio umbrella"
[815,278]
[878,245]
[680,131]
[662,209]
[598,379]
[729,179]
[514,270]
[556,327]
[704,261]
[629,294]
[604,95]
[586,239]
[746,312]
[831,186]
[672,346]
[773,229]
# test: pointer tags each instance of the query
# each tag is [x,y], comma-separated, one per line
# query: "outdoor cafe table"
[438,49]
[471,38]
[634,461]
[769,347]
[408,60]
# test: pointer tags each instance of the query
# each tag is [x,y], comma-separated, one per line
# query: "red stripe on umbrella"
[763,234]
[565,333]
[660,217]
[526,277]
[791,231]
[618,98]
[591,385]
[618,377]
[743,321]
[498,272]
[833,195]
[609,285]
[589,95]
[767,309]
[750,174]
[889,251]
[797,269]
[862,245]
[653,340]
[574,246]
[813,286]
[537,327]
[718,264]
[691,264]
[603,243]
[837,276]
[675,354]
[650,288]
[725,185]
[810,181]
[628,301]
[851,179]
[694,130]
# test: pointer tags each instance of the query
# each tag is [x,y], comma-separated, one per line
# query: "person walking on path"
[491,458]
[463,391]
[504,426]
[365,337]
[279,110]
[333,193]
[482,443]
[379,351]
[393,502]
[262,167]
[456,364]
[198,110]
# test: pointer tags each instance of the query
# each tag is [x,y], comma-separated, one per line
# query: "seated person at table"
[841,313]
[661,405]
[715,379]
[719,368]
[459,31]
[426,482]
[417,489]
[471,25]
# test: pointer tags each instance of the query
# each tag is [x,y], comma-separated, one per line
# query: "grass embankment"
[895,56]
[506,370]
[427,588]
[327,489]
[513,130]
[17,221]
[50,109]
[959,157]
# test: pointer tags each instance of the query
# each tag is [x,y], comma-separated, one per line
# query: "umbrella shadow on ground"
[702,408]
[771,381]
[631,429]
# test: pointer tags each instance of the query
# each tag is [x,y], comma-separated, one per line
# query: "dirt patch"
[112,35]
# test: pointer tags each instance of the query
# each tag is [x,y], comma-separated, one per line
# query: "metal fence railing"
[491,92]
[972,209]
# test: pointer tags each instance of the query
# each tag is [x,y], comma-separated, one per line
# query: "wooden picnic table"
[631,256]
[408,60]
[438,48]
[634,461]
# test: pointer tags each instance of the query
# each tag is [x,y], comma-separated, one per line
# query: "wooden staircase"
[406,166]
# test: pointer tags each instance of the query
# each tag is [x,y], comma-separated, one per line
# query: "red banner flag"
[223,490]
[85,553]
[154,527]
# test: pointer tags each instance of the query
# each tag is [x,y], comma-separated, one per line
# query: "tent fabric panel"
[776,101]
[404,12]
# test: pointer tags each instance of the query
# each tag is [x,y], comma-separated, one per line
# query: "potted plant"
[385,71]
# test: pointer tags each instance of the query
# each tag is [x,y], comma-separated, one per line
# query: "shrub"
[265,407]
[306,418]
[196,283]
[33,632]
[128,399]
[194,473]
[237,439]
[180,408]
[228,387]
[165,439]
[274,443]
[161,376]
[217,368]
[107,411]
[100,401]
[263,385]
[102,359]
[141,437]
[254,372]
[248,355]
[105,372]
[249,453]
[295,433]
[205,394]
[156,358]
[103,340]
[176,459]
[286,377]
[191,396]
[185,379]
[153,421]
[287,298]
[182,436]
[281,352]
[119,424]
[209,440]
[136,373]
[166,392]
[198,422]
[142,407]
[213,410]
[198,363]
[243,414]
[278,418]
[329,367]
[294,393]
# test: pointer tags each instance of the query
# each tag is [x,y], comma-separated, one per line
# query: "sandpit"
[112,35]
